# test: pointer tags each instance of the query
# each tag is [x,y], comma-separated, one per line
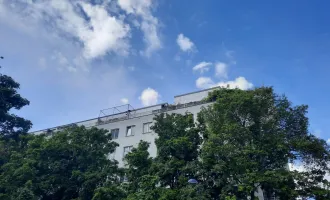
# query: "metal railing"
[130,115]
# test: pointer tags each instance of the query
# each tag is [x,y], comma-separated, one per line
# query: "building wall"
[124,140]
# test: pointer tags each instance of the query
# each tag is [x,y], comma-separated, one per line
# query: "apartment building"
[128,125]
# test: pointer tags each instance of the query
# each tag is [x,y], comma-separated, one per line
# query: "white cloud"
[202,66]
[63,62]
[101,33]
[149,97]
[124,101]
[328,141]
[149,23]
[64,50]
[240,83]
[106,33]
[221,70]
[184,43]
[204,82]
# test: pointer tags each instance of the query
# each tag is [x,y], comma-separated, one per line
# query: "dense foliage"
[251,137]
[240,148]
[11,125]
[236,148]
[69,165]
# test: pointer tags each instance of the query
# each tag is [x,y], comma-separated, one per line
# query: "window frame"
[146,123]
[132,132]
[130,147]
[112,134]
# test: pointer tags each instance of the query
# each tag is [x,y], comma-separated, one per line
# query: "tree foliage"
[11,125]
[242,144]
[251,137]
[71,164]
[166,175]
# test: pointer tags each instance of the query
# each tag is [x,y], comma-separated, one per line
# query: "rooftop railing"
[129,114]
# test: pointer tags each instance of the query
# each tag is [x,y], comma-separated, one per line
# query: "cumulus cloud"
[149,24]
[149,97]
[240,83]
[202,67]
[105,33]
[99,33]
[204,82]
[184,43]
[221,70]
[124,100]
[328,141]
[30,25]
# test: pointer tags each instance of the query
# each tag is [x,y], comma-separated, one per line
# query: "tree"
[177,149]
[250,138]
[71,164]
[138,165]
[166,176]
[11,125]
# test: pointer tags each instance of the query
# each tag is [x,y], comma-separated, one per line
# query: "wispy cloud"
[149,24]
[202,67]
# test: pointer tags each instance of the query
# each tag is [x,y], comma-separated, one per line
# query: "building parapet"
[125,115]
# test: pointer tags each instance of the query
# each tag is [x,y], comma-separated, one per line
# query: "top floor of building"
[126,112]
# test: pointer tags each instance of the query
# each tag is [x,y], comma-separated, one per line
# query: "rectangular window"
[114,133]
[146,127]
[127,150]
[130,130]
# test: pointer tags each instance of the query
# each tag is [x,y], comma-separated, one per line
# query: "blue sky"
[74,58]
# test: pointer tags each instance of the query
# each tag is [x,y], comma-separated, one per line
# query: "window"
[114,133]
[130,130]
[127,150]
[146,127]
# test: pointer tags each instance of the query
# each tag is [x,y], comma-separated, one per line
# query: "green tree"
[250,138]
[11,125]
[177,149]
[71,164]
[166,176]
[138,164]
